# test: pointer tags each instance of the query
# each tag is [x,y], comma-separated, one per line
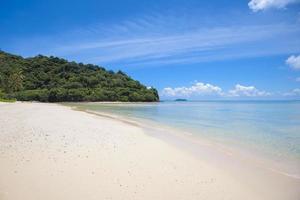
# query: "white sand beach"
[49,151]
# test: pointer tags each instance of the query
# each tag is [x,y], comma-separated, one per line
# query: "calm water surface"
[269,127]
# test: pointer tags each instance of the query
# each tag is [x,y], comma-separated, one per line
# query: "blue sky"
[246,49]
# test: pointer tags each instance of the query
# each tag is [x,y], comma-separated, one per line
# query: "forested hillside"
[52,79]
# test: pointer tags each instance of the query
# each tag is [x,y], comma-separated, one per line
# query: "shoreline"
[166,133]
[196,145]
[73,153]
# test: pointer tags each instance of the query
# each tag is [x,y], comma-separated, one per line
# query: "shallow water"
[271,128]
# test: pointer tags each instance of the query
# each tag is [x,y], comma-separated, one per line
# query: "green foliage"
[52,79]
[3,98]
[7,100]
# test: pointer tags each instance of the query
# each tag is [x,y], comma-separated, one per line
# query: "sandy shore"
[49,151]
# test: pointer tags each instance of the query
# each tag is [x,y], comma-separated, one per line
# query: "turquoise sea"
[271,128]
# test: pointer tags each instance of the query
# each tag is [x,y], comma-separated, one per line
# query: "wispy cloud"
[162,40]
[192,46]
[257,5]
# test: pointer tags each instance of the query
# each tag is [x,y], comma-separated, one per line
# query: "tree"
[52,79]
[15,81]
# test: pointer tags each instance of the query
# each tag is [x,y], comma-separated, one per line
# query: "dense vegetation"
[52,79]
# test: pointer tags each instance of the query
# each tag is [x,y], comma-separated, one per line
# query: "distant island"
[180,99]
[53,79]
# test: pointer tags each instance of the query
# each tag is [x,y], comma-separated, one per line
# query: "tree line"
[53,79]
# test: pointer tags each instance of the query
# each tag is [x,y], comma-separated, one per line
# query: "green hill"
[52,79]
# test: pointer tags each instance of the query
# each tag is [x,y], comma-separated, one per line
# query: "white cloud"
[247,91]
[205,89]
[297,91]
[293,62]
[257,5]
[294,92]
[198,89]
